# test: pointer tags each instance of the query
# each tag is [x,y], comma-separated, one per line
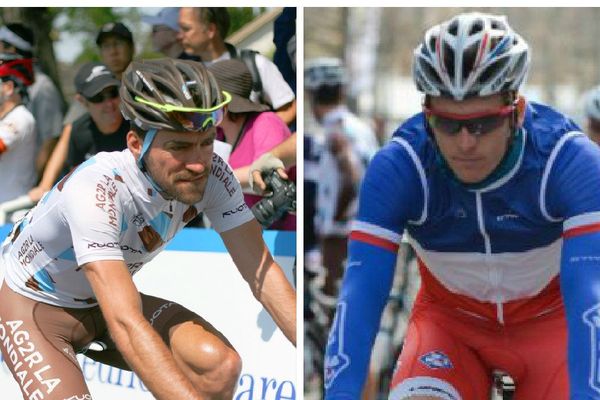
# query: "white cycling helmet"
[324,71]
[592,103]
[472,54]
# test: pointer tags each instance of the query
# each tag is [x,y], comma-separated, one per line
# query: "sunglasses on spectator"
[476,123]
[106,94]
[193,119]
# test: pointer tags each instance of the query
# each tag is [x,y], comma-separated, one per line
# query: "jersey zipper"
[494,272]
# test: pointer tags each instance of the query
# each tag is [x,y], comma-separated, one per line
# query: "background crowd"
[43,137]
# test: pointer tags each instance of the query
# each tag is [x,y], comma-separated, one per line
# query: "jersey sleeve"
[225,206]
[573,195]
[277,92]
[93,210]
[390,194]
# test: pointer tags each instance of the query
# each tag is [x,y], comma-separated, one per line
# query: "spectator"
[165,28]
[202,33]
[115,43]
[116,47]
[45,101]
[100,128]
[249,128]
[17,128]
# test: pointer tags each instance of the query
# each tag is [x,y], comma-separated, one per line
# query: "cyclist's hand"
[262,164]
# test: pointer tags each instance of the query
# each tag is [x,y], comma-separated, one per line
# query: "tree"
[40,21]
[48,23]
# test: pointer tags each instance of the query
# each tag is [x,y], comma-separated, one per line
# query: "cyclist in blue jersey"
[501,201]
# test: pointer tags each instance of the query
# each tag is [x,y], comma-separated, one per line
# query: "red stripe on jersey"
[2,146]
[374,240]
[581,230]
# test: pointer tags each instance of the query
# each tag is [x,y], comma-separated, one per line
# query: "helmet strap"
[148,139]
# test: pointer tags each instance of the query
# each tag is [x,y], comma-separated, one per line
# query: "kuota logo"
[240,208]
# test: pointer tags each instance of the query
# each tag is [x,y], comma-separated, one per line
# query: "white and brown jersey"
[106,209]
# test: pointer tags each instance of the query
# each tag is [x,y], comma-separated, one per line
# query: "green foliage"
[240,16]
[88,20]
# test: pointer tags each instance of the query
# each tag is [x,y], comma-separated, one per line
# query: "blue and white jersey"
[340,124]
[494,242]
[106,209]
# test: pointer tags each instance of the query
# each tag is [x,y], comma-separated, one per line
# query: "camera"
[281,200]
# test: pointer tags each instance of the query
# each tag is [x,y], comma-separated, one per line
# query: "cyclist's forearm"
[364,292]
[279,299]
[136,340]
[579,281]
[149,357]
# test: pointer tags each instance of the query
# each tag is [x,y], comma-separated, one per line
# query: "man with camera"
[69,262]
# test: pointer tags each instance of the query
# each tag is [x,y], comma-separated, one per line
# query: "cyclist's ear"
[134,143]
[521,103]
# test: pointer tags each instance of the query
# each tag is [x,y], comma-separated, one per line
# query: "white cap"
[168,16]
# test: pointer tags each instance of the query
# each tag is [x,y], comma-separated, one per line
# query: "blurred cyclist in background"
[592,113]
[501,201]
[348,146]
[17,128]
[44,100]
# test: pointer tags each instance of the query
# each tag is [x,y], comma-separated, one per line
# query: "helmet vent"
[493,69]
[520,63]
[497,24]
[469,59]
[432,74]
[476,27]
[453,28]
[448,59]
[431,46]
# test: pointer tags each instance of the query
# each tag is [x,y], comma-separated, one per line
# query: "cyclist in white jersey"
[17,127]
[349,145]
[69,262]
[592,113]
